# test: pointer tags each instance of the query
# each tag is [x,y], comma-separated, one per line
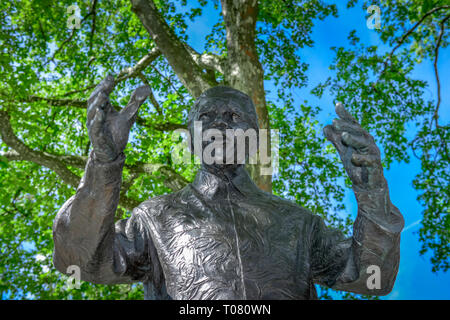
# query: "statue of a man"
[221,237]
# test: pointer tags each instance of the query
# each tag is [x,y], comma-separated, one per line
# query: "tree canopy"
[52,56]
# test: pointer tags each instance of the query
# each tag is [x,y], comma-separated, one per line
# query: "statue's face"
[223,114]
[227,114]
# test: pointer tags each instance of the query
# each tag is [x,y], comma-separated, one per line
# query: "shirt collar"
[211,184]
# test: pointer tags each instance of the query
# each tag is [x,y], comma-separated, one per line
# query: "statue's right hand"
[109,129]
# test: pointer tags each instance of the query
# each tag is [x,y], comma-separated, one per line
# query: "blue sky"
[415,279]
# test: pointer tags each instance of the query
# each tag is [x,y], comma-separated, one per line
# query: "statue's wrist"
[99,174]
[367,188]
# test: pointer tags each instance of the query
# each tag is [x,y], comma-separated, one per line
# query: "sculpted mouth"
[225,138]
[225,141]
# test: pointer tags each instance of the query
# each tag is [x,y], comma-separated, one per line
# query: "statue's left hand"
[357,149]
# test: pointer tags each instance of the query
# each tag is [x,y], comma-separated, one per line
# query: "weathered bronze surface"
[221,237]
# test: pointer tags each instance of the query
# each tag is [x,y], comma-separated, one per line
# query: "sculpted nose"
[220,122]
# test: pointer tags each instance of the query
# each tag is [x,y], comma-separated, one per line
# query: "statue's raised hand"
[109,129]
[357,149]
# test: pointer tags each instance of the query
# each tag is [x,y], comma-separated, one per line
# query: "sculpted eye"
[203,116]
[235,117]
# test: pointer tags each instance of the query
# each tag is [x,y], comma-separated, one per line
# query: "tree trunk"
[243,69]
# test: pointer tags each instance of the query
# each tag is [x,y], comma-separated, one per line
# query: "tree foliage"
[48,70]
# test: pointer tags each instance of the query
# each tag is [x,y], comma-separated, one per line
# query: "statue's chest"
[218,253]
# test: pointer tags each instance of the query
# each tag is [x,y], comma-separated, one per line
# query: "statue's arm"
[84,231]
[353,264]
[347,263]
[86,236]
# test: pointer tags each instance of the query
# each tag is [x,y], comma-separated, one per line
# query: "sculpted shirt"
[219,239]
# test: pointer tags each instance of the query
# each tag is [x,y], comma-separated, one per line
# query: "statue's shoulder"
[289,208]
[158,205]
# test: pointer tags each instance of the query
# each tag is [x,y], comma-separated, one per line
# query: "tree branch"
[436,72]
[70,37]
[139,67]
[169,82]
[124,74]
[78,91]
[207,61]
[78,103]
[94,14]
[174,50]
[406,35]
[26,153]
[57,102]
[151,96]
[173,180]
[438,84]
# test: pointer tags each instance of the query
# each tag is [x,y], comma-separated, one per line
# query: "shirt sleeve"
[367,262]
[86,236]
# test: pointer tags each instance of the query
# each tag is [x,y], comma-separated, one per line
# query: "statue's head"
[218,109]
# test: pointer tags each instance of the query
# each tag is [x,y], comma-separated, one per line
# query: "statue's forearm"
[84,226]
[378,222]
[376,243]
[376,206]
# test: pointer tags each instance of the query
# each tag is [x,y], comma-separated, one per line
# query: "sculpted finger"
[137,99]
[101,101]
[365,160]
[344,114]
[335,138]
[343,125]
[329,133]
[105,86]
[359,175]
[96,124]
[358,142]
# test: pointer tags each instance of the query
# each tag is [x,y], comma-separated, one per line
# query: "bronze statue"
[221,237]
